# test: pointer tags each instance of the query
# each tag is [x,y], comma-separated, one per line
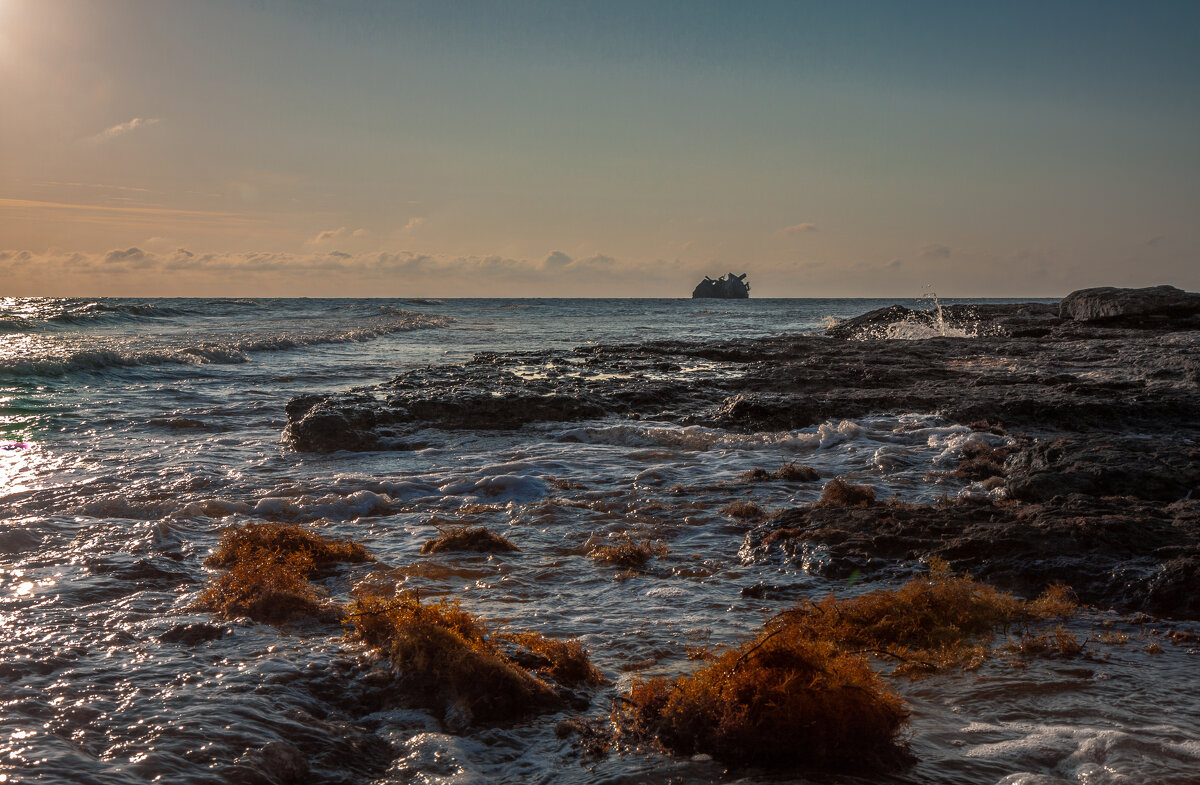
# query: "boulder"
[1149,305]
[1105,465]
[874,323]
[991,319]
[1122,552]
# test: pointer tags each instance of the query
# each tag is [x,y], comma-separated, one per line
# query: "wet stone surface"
[1075,377]
[1098,494]
[1130,554]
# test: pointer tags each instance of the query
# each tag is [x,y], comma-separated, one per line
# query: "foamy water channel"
[133,432]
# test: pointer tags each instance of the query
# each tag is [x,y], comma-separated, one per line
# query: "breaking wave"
[109,312]
[209,352]
[698,438]
[32,314]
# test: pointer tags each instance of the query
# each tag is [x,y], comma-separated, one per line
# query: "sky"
[850,149]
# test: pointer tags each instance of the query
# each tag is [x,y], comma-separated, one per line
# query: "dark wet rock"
[1101,482]
[979,469]
[876,322]
[300,405]
[776,591]
[482,395]
[485,411]
[194,633]
[1134,555]
[320,424]
[1077,377]
[1151,306]
[1173,587]
[1029,320]
[1122,465]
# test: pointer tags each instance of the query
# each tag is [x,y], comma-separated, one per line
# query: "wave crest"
[212,352]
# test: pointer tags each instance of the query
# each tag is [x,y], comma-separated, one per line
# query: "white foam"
[698,438]
[206,352]
[892,458]
[923,326]
[1044,743]
[1081,753]
[336,508]
[214,508]
[667,592]
[1029,778]
[436,757]
[520,488]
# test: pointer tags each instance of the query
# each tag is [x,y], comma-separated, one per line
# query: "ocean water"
[133,431]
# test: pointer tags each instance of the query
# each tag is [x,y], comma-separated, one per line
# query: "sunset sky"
[172,147]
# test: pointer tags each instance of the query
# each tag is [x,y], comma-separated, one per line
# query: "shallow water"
[132,432]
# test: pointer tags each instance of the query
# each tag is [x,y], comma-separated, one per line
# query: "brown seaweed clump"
[927,624]
[980,461]
[465,538]
[839,493]
[268,567]
[782,699]
[744,510]
[273,539]
[788,472]
[1057,641]
[795,472]
[566,662]
[448,658]
[628,554]
[803,692]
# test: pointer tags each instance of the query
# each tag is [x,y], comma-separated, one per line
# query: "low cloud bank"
[333,272]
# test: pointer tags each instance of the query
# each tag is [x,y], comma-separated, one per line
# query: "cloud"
[182,271]
[895,264]
[412,224]
[329,235]
[800,228]
[340,233]
[122,128]
[556,260]
[101,186]
[597,262]
[935,251]
[132,257]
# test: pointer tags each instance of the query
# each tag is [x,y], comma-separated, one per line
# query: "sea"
[134,431]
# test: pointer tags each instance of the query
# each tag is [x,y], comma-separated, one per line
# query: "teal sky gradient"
[849,149]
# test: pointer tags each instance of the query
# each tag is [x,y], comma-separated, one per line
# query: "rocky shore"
[1101,394]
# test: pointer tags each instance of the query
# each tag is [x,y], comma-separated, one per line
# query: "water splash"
[932,321]
[940,322]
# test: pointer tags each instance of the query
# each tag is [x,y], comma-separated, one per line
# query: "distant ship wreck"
[727,287]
